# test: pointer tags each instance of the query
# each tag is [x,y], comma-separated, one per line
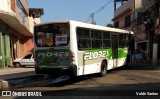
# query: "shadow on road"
[138,66]
[16,75]
[123,91]
[133,66]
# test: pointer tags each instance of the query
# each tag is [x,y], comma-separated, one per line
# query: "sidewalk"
[143,66]
[11,72]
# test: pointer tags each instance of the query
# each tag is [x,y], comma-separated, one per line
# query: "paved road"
[118,82]
[135,77]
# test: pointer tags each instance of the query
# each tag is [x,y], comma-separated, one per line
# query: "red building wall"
[29,45]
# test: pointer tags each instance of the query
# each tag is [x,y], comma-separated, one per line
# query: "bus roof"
[87,25]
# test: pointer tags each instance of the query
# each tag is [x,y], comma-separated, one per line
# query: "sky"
[78,10]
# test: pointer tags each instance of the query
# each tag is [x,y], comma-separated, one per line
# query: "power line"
[97,11]
[104,6]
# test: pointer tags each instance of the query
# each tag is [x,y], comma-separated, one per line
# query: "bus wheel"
[103,69]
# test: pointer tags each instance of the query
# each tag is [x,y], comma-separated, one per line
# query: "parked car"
[27,60]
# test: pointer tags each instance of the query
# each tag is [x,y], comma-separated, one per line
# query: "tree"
[109,25]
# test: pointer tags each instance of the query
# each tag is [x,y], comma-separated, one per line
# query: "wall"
[31,24]
[29,45]
[2,61]
[142,6]
[126,5]
[37,20]
[4,45]
[5,5]
[121,20]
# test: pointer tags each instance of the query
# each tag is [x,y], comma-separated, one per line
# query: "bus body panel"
[73,43]
[56,60]
[56,57]
[89,61]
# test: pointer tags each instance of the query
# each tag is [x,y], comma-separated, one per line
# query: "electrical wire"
[99,10]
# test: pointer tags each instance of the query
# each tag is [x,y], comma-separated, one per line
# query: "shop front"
[141,39]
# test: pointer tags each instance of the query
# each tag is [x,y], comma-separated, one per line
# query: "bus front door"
[114,39]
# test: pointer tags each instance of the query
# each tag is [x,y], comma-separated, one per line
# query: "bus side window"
[106,43]
[88,44]
[83,38]
[122,40]
[79,44]
[106,39]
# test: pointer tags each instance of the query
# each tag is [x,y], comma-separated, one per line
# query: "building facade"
[123,14]
[16,31]
[144,23]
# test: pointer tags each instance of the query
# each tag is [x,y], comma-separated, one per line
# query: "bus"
[77,48]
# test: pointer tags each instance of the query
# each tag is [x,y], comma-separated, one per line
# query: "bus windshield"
[52,35]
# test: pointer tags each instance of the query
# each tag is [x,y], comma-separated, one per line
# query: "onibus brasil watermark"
[21,93]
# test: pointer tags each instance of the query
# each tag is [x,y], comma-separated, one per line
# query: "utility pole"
[155,43]
[93,21]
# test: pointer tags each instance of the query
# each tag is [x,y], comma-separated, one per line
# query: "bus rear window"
[52,35]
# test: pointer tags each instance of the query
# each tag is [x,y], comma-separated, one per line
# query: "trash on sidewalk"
[4,85]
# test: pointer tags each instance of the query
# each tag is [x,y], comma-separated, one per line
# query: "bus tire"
[103,68]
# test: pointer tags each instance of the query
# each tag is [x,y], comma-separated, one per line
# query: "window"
[96,38]
[123,40]
[83,38]
[96,34]
[52,35]
[28,56]
[21,10]
[106,39]
[92,39]
[128,21]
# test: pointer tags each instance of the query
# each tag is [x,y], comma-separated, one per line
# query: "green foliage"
[109,25]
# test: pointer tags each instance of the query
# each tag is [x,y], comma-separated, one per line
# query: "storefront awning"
[14,23]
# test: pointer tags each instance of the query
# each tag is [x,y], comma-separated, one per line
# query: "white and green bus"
[76,48]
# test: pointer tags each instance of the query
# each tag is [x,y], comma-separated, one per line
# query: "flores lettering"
[95,55]
[56,54]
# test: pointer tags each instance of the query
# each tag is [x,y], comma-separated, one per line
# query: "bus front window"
[52,35]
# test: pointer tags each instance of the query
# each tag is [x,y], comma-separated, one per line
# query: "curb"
[4,85]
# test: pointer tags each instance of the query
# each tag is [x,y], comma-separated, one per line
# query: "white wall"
[33,22]
[5,6]
[37,20]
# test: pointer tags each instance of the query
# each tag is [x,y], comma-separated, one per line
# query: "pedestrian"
[142,55]
[138,55]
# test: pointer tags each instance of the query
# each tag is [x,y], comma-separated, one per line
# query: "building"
[123,14]
[147,13]
[16,30]
[144,23]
